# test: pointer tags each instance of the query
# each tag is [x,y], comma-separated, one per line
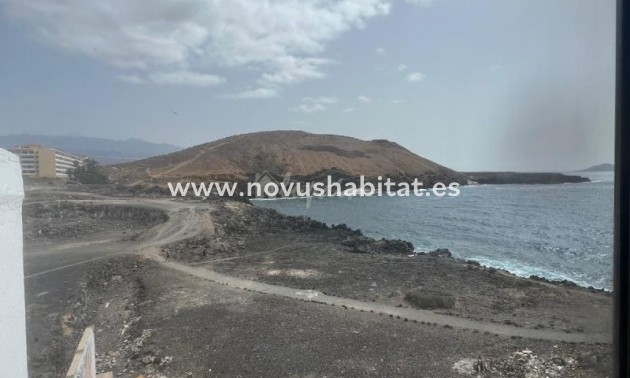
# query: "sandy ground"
[236,298]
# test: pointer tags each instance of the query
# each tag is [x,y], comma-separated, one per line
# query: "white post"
[13,361]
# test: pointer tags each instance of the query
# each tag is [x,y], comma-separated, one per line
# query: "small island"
[600,168]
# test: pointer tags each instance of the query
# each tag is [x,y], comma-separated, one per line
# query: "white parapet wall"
[12,311]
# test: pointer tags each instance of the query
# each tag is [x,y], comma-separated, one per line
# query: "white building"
[38,161]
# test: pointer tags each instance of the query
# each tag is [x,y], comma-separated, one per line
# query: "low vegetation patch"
[430,300]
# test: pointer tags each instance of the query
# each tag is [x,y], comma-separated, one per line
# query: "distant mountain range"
[600,168]
[105,151]
[308,157]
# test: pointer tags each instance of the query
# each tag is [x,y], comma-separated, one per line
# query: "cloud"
[364,99]
[315,104]
[401,67]
[415,77]
[321,100]
[348,110]
[257,93]
[186,78]
[396,101]
[380,51]
[424,3]
[133,79]
[282,40]
[309,108]
[290,70]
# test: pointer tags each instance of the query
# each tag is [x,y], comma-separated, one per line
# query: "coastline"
[242,248]
[563,281]
[469,260]
[523,229]
[316,252]
[502,178]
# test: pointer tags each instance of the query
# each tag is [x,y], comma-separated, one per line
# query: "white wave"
[522,270]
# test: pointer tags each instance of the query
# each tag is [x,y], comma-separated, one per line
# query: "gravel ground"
[318,263]
[154,322]
[68,220]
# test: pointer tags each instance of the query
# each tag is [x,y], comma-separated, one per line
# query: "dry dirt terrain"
[304,155]
[205,289]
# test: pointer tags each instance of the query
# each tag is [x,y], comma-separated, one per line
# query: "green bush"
[430,301]
[90,172]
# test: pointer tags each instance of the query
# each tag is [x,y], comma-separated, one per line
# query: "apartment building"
[38,161]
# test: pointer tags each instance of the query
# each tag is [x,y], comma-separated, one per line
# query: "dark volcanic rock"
[235,223]
[524,178]
[364,244]
[440,252]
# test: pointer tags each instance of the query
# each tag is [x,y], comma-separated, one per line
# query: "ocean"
[553,231]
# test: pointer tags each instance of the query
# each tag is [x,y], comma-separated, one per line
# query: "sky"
[524,85]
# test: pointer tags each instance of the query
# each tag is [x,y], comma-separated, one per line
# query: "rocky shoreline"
[264,245]
[501,178]
[158,322]
[248,221]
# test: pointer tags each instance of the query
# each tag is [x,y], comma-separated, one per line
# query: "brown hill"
[306,156]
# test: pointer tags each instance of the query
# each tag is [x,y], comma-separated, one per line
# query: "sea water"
[558,232]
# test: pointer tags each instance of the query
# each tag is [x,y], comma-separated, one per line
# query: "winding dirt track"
[383,309]
[186,162]
[188,219]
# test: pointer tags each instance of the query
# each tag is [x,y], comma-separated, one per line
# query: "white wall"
[12,311]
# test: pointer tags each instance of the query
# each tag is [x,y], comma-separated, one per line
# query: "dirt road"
[54,268]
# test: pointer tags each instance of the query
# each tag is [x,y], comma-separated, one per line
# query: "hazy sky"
[471,84]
